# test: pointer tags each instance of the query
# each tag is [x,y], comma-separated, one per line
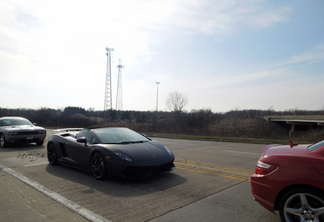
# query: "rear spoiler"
[68,129]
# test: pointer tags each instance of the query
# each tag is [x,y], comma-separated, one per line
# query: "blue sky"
[223,55]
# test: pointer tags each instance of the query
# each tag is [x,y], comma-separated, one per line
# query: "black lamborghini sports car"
[109,152]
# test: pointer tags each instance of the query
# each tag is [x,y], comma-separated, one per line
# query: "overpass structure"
[298,121]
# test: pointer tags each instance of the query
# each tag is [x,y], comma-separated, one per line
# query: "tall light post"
[157,95]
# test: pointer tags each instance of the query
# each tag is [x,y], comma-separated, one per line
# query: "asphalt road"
[210,183]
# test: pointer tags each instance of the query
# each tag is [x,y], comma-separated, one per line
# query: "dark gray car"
[109,152]
[15,130]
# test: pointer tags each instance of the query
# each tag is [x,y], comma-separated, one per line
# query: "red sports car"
[290,179]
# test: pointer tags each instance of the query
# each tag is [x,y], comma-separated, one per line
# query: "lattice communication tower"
[108,94]
[119,98]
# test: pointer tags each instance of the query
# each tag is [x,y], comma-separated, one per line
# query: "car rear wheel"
[302,205]
[3,142]
[51,154]
[98,166]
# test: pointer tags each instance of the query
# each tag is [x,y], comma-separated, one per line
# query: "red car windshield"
[316,146]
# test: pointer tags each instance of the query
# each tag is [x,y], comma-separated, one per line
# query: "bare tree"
[176,102]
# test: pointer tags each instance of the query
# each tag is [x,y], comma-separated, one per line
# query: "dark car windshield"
[316,146]
[119,135]
[15,122]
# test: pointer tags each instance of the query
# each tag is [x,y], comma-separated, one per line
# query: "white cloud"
[316,54]
[58,48]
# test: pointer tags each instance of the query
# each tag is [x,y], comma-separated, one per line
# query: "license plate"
[29,138]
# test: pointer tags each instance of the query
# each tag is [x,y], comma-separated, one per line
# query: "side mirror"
[82,140]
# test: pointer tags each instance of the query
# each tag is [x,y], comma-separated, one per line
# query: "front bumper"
[139,169]
[33,138]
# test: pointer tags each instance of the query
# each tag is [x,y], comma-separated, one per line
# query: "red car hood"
[299,153]
[276,149]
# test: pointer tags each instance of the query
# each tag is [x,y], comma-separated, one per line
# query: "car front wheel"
[3,142]
[302,205]
[98,166]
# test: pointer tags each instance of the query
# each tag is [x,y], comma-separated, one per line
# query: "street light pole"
[157,95]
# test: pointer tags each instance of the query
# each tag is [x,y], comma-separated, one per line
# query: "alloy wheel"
[303,206]
[2,141]
[98,166]
[51,154]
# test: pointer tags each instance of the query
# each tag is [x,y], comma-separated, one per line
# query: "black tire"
[51,154]
[3,142]
[98,166]
[302,204]
[40,143]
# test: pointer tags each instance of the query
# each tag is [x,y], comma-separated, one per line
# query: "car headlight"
[167,149]
[12,133]
[41,131]
[124,156]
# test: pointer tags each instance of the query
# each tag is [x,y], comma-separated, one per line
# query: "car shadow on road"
[117,186]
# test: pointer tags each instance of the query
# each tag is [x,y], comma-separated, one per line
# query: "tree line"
[234,123]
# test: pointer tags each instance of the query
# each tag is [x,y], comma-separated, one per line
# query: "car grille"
[137,172]
[146,171]
[27,133]
[29,141]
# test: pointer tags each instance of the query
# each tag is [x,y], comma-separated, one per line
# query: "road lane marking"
[200,171]
[91,216]
[213,169]
[36,164]
[210,164]
[233,151]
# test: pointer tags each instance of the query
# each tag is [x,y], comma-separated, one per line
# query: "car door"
[79,153]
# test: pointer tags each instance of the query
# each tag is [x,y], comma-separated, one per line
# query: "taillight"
[264,168]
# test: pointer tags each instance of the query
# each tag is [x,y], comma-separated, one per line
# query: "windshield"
[15,122]
[316,146]
[119,135]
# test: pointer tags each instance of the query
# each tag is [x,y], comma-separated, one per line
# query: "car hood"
[22,127]
[141,151]
[276,149]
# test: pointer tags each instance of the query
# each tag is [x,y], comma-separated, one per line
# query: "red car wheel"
[302,205]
